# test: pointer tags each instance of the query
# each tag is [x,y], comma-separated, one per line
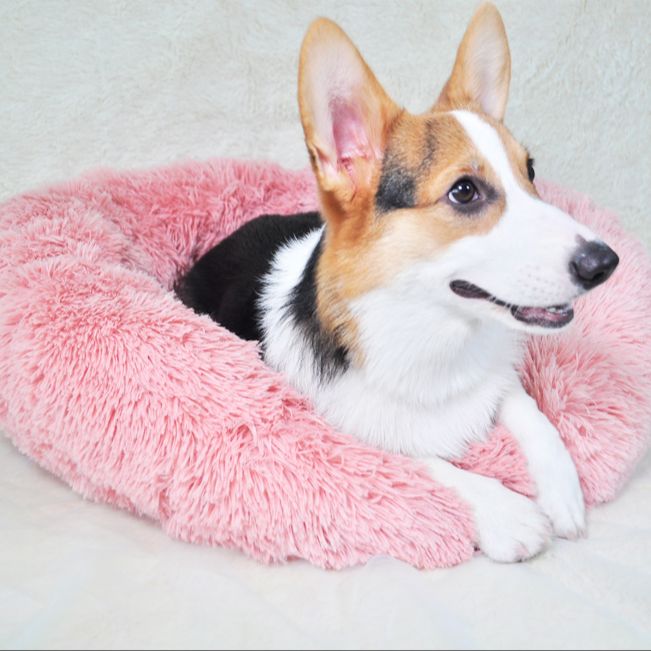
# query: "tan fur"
[484,37]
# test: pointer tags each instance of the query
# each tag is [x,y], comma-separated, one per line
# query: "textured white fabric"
[80,575]
[132,84]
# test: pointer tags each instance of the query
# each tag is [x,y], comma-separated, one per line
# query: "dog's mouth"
[555,316]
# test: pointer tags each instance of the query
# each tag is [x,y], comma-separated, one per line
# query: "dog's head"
[445,199]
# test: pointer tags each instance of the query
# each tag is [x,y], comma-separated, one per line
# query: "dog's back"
[226,282]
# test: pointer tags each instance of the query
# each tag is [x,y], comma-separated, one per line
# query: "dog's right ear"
[482,70]
[345,113]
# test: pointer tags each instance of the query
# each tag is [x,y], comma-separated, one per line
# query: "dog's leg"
[550,464]
[509,527]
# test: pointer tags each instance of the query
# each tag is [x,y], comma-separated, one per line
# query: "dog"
[401,307]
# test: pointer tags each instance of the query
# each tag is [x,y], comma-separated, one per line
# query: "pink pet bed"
[113,385]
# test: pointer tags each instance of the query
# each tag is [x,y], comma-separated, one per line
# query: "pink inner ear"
[351,136]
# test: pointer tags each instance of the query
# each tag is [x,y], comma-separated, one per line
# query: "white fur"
[550,465]
[432,380]
[439,369]
[509,526]
[286,348]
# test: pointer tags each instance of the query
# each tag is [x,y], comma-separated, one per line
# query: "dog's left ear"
[482,70]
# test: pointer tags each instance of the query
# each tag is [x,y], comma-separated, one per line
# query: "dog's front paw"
[510,527]
[561,498]
[550,464]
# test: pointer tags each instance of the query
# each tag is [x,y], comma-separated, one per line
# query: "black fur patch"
[227,281]
[397,187]
[331,358]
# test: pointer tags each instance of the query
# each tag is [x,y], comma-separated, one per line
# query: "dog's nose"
[592,264]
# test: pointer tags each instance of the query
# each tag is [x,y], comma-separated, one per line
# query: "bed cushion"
[109,382]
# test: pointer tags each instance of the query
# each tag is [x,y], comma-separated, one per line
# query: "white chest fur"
[431,381]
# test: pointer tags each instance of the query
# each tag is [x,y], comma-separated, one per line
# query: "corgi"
[400,308]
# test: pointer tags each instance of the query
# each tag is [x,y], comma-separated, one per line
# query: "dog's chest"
[416,393]
[421,430]
[429,383]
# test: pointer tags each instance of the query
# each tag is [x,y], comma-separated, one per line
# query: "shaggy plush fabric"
[113,385]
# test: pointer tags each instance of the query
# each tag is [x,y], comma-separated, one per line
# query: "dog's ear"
[345,113]
[482,70]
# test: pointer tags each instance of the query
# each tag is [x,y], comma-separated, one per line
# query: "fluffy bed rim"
[114,386]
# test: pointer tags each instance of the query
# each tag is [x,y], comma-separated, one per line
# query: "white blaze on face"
[524,259]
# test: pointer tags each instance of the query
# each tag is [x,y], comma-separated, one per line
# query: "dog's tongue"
[547,317]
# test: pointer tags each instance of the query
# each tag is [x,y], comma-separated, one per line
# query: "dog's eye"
[531,172]
[464,191]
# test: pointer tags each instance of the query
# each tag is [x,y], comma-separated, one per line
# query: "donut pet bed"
[113,385]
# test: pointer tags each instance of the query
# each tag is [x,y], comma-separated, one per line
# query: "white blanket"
[79,575]
[123,84]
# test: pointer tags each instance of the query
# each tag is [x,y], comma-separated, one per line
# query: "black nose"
[592,264]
